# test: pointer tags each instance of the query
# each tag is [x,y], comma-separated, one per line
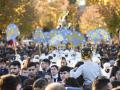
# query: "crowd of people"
[41,67]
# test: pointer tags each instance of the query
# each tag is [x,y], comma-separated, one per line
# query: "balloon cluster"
[98,35]
[55,37]
[38,35]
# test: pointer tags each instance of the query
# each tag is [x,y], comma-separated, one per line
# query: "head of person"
[115,83]
[40,84]
[86,54]
[55,86]
[54,70]
[27,84]
[27,88]
[102,83]
[2,63]
[69,82]
[45,64]
[63,61]
[14,67]
[68,46]
[64,72]
[24,72]
[32,70]
[48,76]
[117,76]
[10,82]
[37,65]
[117,63]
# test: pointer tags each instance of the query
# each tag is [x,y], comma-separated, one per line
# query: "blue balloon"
[39,36]
[78,38]
[47,36]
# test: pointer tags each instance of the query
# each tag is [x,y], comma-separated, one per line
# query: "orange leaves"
[91,19]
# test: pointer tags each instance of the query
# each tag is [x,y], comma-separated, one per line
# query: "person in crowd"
[48,76]
[38,66]
[80,78]
[10,82]
[63,61]
[69,82]
[54,72]
[55,86]
[106,70]
[115,68]
[14,68]
[89,70]
[102,83]
[115,83]
[27,87]
[45,65]
[117,76]
[27,84]
[40,84]
[32,71]
[24,72]
[3,67]
[64,73]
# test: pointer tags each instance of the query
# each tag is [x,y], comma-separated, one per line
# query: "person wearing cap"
[89,69]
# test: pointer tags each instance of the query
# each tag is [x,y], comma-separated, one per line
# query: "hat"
[106,65]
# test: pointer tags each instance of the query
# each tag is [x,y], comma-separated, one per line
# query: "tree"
[110,10]
[48,13]
[91,19]
[18,12]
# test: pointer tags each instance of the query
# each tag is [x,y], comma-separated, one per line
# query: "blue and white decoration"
[38,36]
[12,32]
